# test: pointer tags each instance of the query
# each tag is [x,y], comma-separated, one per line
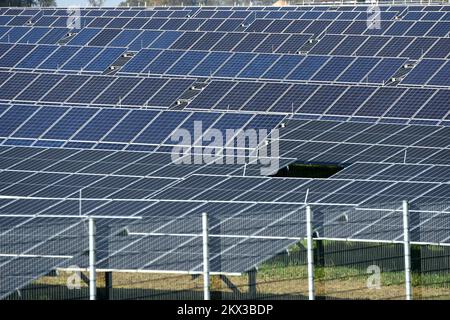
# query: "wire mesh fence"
[255,252]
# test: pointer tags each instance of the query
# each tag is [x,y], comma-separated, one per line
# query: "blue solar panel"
[84,36]
[440,29]
[349,45]
[99,125]
[15,54]
[14,34]
[380,102]
[163,62]
[230,25]
[144,91]
[34,35]
[207,120]
[90,90]
[384,70]
[104,59]
[322,99]
[81,58]
[204,24]
[423,71]
[234,65]
[399,28]
[165,40]
[238,96]
[441,78]
[133,123]
[308,67]
[419,29]
[371,46]
[187,63]
[64,89]
[258,66]
[39,122]
[441,49]
[117,91]
[272,43]
[250,42]
[410,102]
[117,23]
[143,40]
[53,36]
[70,123]
[136,23]
[333,68]
[140,61]
[293,44]
[294,98]
[126,38]
[12,118]
[351,100]
[210,64]
[186,40]
[168,94]
[58,58]
[4,48]
[15,85]
[395,46]
[39,87]
[211,94]
[418,48]
[104,37]
[207,41]
[157,132]
[154,24]
[266,97]
[358,70]
[437,107]
[228,42]
[326,44]
[282,67]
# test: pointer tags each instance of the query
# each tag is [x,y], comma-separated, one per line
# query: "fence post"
[92,270]
[407,250]
[206,285]
[310,253]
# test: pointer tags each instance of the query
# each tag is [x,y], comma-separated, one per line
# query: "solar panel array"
[91,110]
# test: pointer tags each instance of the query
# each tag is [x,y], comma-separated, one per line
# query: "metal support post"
[92,271]
[310,252]
[407,251]
[206,284]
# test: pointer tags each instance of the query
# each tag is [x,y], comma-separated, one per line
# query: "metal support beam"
[319,253]
[252,284]
[407,251]
[230,284]
[206,283]
[108,285]
[92,262]
[310,253]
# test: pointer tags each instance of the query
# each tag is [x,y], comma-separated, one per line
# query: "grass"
[274,280]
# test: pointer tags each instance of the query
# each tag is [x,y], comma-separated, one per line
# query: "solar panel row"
[346,143]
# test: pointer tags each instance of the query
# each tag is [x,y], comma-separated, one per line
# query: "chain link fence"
[254,253]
